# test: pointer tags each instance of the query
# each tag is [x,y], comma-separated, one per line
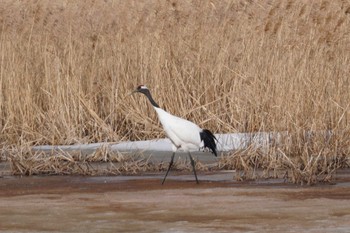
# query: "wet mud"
[142,204]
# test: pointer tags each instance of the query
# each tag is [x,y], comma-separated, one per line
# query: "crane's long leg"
[170,164]
[193,166]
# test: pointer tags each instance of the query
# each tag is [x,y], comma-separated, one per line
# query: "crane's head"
[142,89]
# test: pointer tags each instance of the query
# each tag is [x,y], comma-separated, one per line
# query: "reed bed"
[314,160]
[66,68]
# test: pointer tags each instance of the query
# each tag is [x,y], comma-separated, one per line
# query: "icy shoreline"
[226,142]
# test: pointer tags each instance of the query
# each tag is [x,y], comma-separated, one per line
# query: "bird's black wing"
[209,140]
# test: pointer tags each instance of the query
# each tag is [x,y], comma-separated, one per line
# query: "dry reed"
[231,66]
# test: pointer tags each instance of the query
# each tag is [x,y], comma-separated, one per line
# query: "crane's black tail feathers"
[209,140]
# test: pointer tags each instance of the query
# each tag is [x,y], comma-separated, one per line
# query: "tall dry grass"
[231,66]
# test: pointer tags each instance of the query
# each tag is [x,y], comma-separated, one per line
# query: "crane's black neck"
[147,93]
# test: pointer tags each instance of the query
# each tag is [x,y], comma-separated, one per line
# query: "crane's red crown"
[141,87]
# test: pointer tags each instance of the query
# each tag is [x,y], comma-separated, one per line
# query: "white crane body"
[183,134]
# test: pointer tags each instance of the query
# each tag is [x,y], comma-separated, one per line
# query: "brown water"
[142,204]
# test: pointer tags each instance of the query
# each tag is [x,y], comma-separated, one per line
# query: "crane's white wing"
[181,132]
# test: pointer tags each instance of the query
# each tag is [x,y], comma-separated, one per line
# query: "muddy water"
[141,204]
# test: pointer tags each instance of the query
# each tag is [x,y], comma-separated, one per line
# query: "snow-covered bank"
[226,142]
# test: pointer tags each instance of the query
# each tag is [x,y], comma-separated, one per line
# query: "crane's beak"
[134,91]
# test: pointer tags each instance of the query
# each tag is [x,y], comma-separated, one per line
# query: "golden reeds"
[231,66]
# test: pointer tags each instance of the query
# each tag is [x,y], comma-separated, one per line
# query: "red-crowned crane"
[182,133]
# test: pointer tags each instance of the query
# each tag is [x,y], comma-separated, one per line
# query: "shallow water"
[142,204]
